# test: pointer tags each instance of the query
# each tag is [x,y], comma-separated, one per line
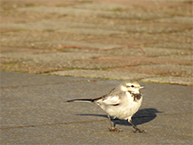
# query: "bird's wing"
[111,100]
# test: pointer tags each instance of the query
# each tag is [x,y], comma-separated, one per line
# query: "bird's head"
[131,86]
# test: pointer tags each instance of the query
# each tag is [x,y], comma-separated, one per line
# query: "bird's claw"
[139,130]
[113,129]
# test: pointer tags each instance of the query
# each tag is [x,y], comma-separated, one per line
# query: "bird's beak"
[141,87]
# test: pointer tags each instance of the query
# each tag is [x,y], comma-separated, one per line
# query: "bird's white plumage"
[112,100]
[123,88]
[126,108]
[122,102]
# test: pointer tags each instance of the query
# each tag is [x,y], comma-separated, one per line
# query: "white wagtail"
[121,102]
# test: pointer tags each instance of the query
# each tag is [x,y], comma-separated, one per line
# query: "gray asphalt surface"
[34,111]
[82,49]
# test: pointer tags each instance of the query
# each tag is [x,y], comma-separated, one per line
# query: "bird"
[121,102]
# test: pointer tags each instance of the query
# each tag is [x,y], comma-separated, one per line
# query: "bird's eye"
[132,86]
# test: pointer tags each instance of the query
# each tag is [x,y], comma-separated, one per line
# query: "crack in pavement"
[78,122]
[51,124]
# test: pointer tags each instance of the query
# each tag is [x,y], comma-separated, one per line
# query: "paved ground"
[72,49]
[149,41]
[33,111]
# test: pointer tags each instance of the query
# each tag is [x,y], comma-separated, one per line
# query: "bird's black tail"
[80,100]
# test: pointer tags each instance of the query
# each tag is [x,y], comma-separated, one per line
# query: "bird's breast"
[126,109]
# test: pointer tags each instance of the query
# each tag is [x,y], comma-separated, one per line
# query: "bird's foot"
[113,129]
[139,130]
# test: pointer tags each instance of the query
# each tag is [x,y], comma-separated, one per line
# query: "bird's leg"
[112,129]
[136,129]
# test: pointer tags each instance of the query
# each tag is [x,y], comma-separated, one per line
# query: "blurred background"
[99,38]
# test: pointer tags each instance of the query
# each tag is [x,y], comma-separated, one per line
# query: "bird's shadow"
[141,117]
